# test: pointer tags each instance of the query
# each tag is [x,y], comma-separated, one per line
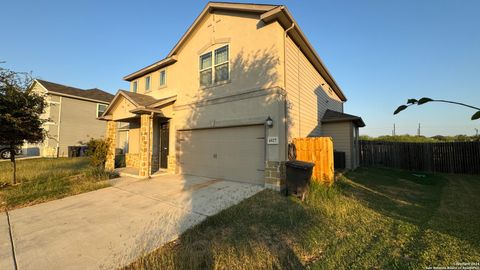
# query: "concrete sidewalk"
[111,227]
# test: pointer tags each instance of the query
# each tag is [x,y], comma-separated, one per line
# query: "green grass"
[370,219]
[43,180]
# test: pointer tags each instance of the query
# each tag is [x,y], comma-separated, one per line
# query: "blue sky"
[380,52]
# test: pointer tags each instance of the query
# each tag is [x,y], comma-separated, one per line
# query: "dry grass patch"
[362,222]
[42,180]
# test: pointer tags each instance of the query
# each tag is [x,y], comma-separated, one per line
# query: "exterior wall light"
[269,122]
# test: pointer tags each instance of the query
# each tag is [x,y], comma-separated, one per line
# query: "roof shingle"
[334,116]
[94,93]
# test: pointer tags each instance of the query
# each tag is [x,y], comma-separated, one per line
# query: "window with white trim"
[163,77]
[134,87]
[101,108]
[147,83]
[206,69]
[221,64]
[217,69]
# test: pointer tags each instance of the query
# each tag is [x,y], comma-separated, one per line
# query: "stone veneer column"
[145,145]
[111,138]
[275,175]
[172,164]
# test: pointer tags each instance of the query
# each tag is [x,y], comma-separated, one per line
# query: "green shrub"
[97,151]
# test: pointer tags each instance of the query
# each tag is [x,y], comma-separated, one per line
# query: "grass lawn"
[370,219]
[43,180]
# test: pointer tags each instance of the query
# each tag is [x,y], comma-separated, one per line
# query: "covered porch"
[138,127]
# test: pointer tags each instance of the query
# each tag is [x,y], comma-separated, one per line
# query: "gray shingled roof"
[93,93]
[334,116]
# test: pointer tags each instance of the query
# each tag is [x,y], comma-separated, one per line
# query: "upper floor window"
[147,83]
[134,87]
[206,69]
[217,71]
[101,108]
[221,64]
[163,77]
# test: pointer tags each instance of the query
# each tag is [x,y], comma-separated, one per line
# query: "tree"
[20,111]
[424,100]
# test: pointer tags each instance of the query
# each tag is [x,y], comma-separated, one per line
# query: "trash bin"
[73,151]
[298,177]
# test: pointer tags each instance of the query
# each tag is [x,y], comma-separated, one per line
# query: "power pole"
[393,131]
[418,130]
[476,131]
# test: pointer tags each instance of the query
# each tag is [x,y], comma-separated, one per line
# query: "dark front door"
[164,131]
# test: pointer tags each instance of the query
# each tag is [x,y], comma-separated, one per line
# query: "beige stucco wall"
[121,109]
[342,135]
[134,137]
[256,57]
[250,95]
[309,95]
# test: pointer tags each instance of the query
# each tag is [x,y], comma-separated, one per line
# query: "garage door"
[223,153]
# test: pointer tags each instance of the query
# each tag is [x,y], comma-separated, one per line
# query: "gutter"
[153,67]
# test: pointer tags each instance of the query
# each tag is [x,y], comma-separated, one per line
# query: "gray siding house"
[72,117]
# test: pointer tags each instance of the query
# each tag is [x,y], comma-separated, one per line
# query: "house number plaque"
[272,140]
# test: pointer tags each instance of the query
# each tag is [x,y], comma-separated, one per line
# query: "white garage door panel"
[225,153]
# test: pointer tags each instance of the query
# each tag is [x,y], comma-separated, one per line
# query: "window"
[206,69]
[163,77]
[134,86]
[147,83]
[219,72]
[221,64]
[101,108]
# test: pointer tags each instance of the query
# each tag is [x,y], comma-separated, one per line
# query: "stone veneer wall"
[132,160]
[172,164]
[275,175]
[146,136]
[111,137]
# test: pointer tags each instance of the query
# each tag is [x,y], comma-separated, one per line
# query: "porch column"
[146,136]
[111,137]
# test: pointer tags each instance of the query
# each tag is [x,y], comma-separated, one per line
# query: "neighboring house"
[72,117]
[203,109]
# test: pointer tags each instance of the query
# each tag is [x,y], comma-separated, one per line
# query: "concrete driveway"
[108,228]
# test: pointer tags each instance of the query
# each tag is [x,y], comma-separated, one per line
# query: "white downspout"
[285,87]
[58,126]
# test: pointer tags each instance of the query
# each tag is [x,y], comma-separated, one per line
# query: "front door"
[164,132]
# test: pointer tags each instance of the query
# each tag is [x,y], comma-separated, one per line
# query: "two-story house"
[240,84]
[72,117]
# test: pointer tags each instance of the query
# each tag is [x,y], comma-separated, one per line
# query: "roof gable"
[133,103]
[268,14]
[211,6]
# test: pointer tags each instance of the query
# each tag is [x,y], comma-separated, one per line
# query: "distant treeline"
[420,139]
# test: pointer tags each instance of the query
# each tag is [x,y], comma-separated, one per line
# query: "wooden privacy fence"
[448,157]
[318,150]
